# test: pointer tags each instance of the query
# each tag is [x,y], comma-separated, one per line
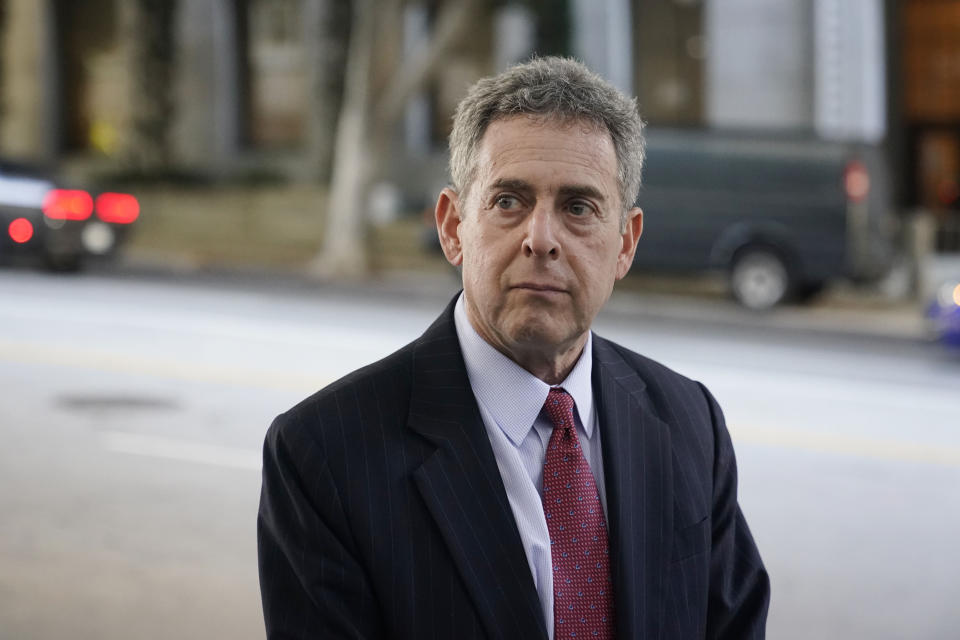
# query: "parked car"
[41,217]
[781,215]
[944,313]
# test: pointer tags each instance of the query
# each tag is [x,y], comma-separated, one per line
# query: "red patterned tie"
[582,591]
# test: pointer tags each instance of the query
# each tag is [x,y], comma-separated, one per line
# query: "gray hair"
[554,88]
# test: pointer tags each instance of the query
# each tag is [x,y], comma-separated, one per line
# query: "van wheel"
[759,278]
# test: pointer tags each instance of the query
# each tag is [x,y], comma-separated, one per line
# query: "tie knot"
[559,408]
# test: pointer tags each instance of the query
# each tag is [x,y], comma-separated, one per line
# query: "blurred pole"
[920,239]
[602,39]
[850,70]
[228,90]
[29,127]
[417,124]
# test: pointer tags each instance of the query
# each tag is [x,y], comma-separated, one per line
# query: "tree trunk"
[344,244]
[452,23]
[364,129]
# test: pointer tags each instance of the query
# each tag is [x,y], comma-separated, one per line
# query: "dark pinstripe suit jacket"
[383,514]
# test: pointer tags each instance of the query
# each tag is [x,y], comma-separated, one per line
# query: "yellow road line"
[99,360]
[846,444]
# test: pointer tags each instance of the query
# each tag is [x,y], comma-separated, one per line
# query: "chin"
[540,331]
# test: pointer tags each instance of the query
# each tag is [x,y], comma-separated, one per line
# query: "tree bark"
[344,244]
[363,130]
[452,23]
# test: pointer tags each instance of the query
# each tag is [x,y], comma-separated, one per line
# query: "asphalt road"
[133,411]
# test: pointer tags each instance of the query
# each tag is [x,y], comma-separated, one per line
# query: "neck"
[548,361]
[552,367]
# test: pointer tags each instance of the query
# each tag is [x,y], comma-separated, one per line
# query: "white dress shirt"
[510,400]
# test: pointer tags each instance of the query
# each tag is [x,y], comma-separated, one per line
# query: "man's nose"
[542,233]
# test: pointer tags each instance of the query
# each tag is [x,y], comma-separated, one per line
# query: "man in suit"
[509,474]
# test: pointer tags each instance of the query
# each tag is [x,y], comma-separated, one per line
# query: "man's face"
[538,234]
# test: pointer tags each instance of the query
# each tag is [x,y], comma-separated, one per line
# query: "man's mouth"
[539,287]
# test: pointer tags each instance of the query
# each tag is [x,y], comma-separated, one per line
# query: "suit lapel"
[463,490]
[639,485]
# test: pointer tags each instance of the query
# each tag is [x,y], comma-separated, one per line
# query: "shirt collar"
[513,395]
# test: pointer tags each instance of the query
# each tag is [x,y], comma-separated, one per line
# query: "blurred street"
[135,408]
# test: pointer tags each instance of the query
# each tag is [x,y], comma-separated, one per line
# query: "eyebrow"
[568,191]
[512,184]
[581,190]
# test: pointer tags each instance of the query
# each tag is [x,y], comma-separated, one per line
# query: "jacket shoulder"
[652,372]
[681,402]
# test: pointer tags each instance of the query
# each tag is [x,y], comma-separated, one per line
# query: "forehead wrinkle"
[500,149]
[552,152]
[499,169]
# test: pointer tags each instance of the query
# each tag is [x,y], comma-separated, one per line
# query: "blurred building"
[928,85]
[243,89]
[254,87]
[254,82]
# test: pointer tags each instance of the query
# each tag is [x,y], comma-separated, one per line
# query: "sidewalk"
[838,313]
[842,310]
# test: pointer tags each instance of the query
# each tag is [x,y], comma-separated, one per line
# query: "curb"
[842,313]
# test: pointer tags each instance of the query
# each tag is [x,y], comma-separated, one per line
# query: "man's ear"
[629,237]
[448,218]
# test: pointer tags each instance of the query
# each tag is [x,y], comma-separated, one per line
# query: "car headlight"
[949,295]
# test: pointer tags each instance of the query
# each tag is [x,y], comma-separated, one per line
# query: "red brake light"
[121,208]
[67,204]
[20,230]
[856,182]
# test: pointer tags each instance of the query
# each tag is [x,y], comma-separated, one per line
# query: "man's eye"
[580,208]
[507,202]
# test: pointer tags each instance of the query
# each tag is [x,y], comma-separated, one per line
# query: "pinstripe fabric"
[383,514]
